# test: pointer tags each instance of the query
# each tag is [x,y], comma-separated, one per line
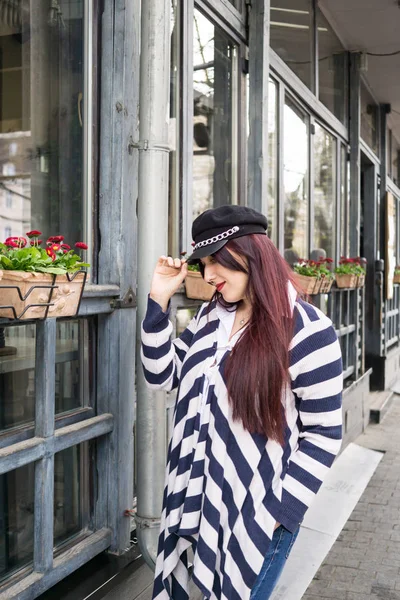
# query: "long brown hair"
[256,371]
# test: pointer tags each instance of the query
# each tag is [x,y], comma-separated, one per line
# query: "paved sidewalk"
[364,562]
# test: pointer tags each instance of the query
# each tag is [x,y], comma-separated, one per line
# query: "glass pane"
[291,36]
[369,119]
[214,146]
[394,160]
[71,492]
[16,519]
[72,365]
[324,194]
[174,183]
[344,202]
[295,182]
[272,160]
[332,61]
[41,135]
[17,371]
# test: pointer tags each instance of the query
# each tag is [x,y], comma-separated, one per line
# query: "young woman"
[257,421]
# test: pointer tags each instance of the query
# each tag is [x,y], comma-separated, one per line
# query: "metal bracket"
[128,301]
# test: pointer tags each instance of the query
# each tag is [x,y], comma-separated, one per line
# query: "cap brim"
[206,251]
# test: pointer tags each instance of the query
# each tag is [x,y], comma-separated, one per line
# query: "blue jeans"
[275,559]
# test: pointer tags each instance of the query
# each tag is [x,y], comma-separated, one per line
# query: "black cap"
[217,226]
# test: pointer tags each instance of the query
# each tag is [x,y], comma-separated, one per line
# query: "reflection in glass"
[291,36]
[369,119]
[17,371]
[41,94]
[16,519]
[295,182]
[214,152]
[69,517]
[324,192]
[272,159]
[332,69]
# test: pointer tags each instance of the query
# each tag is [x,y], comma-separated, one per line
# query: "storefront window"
[17,371]
[369,119]
[16,519]
[332,70]
[295,181]
[291,36]
[324,193]
[215,118]
[272,160]
[41,129]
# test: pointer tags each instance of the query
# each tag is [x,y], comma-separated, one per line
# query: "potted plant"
[396,277]
[195,286]
[38,282]
[347,272]
[307,276]
[361,267]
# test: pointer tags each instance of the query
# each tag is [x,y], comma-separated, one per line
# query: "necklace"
[243,321]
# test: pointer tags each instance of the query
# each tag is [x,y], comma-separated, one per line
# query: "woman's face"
[231,284]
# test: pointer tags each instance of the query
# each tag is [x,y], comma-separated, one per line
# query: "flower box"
[326,284]
[31,295]
[309,285]
[346,280]
[396,278]
[197,288]
[360,280]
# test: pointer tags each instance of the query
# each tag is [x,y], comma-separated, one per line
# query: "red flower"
[329,260]
[50,252]
[65,248]
[55,247]
[81,245]
[55,239]
[20,242]
[10,243]
[33,233]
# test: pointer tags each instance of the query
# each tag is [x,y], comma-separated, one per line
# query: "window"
[291,36]
[7,232]
[332,70]
[295,181]
[16,519]
[369,119]
[272,160]
[8,199]
[394,159]
[17,371]
[215,176]
[41,87]
[324,193]
[344,202]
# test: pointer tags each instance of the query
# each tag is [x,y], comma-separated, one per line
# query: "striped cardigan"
[225,487]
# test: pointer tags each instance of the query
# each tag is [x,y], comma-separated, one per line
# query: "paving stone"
[364,562]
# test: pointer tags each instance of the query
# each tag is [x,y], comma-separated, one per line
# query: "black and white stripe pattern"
[226,488]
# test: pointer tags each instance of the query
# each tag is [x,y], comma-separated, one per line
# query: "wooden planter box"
[309,285]
[346,281]
[326,284]
[396,278]
[360,281]
[20,290]
[197,288]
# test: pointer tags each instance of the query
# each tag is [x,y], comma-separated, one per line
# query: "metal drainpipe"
[152,242]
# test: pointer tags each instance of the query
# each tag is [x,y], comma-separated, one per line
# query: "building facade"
[117,128]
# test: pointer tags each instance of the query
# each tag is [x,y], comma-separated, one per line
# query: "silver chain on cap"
[217,238]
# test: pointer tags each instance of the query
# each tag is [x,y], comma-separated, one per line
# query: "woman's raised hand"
[167,277]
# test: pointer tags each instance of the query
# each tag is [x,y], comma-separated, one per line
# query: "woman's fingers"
[168,261]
